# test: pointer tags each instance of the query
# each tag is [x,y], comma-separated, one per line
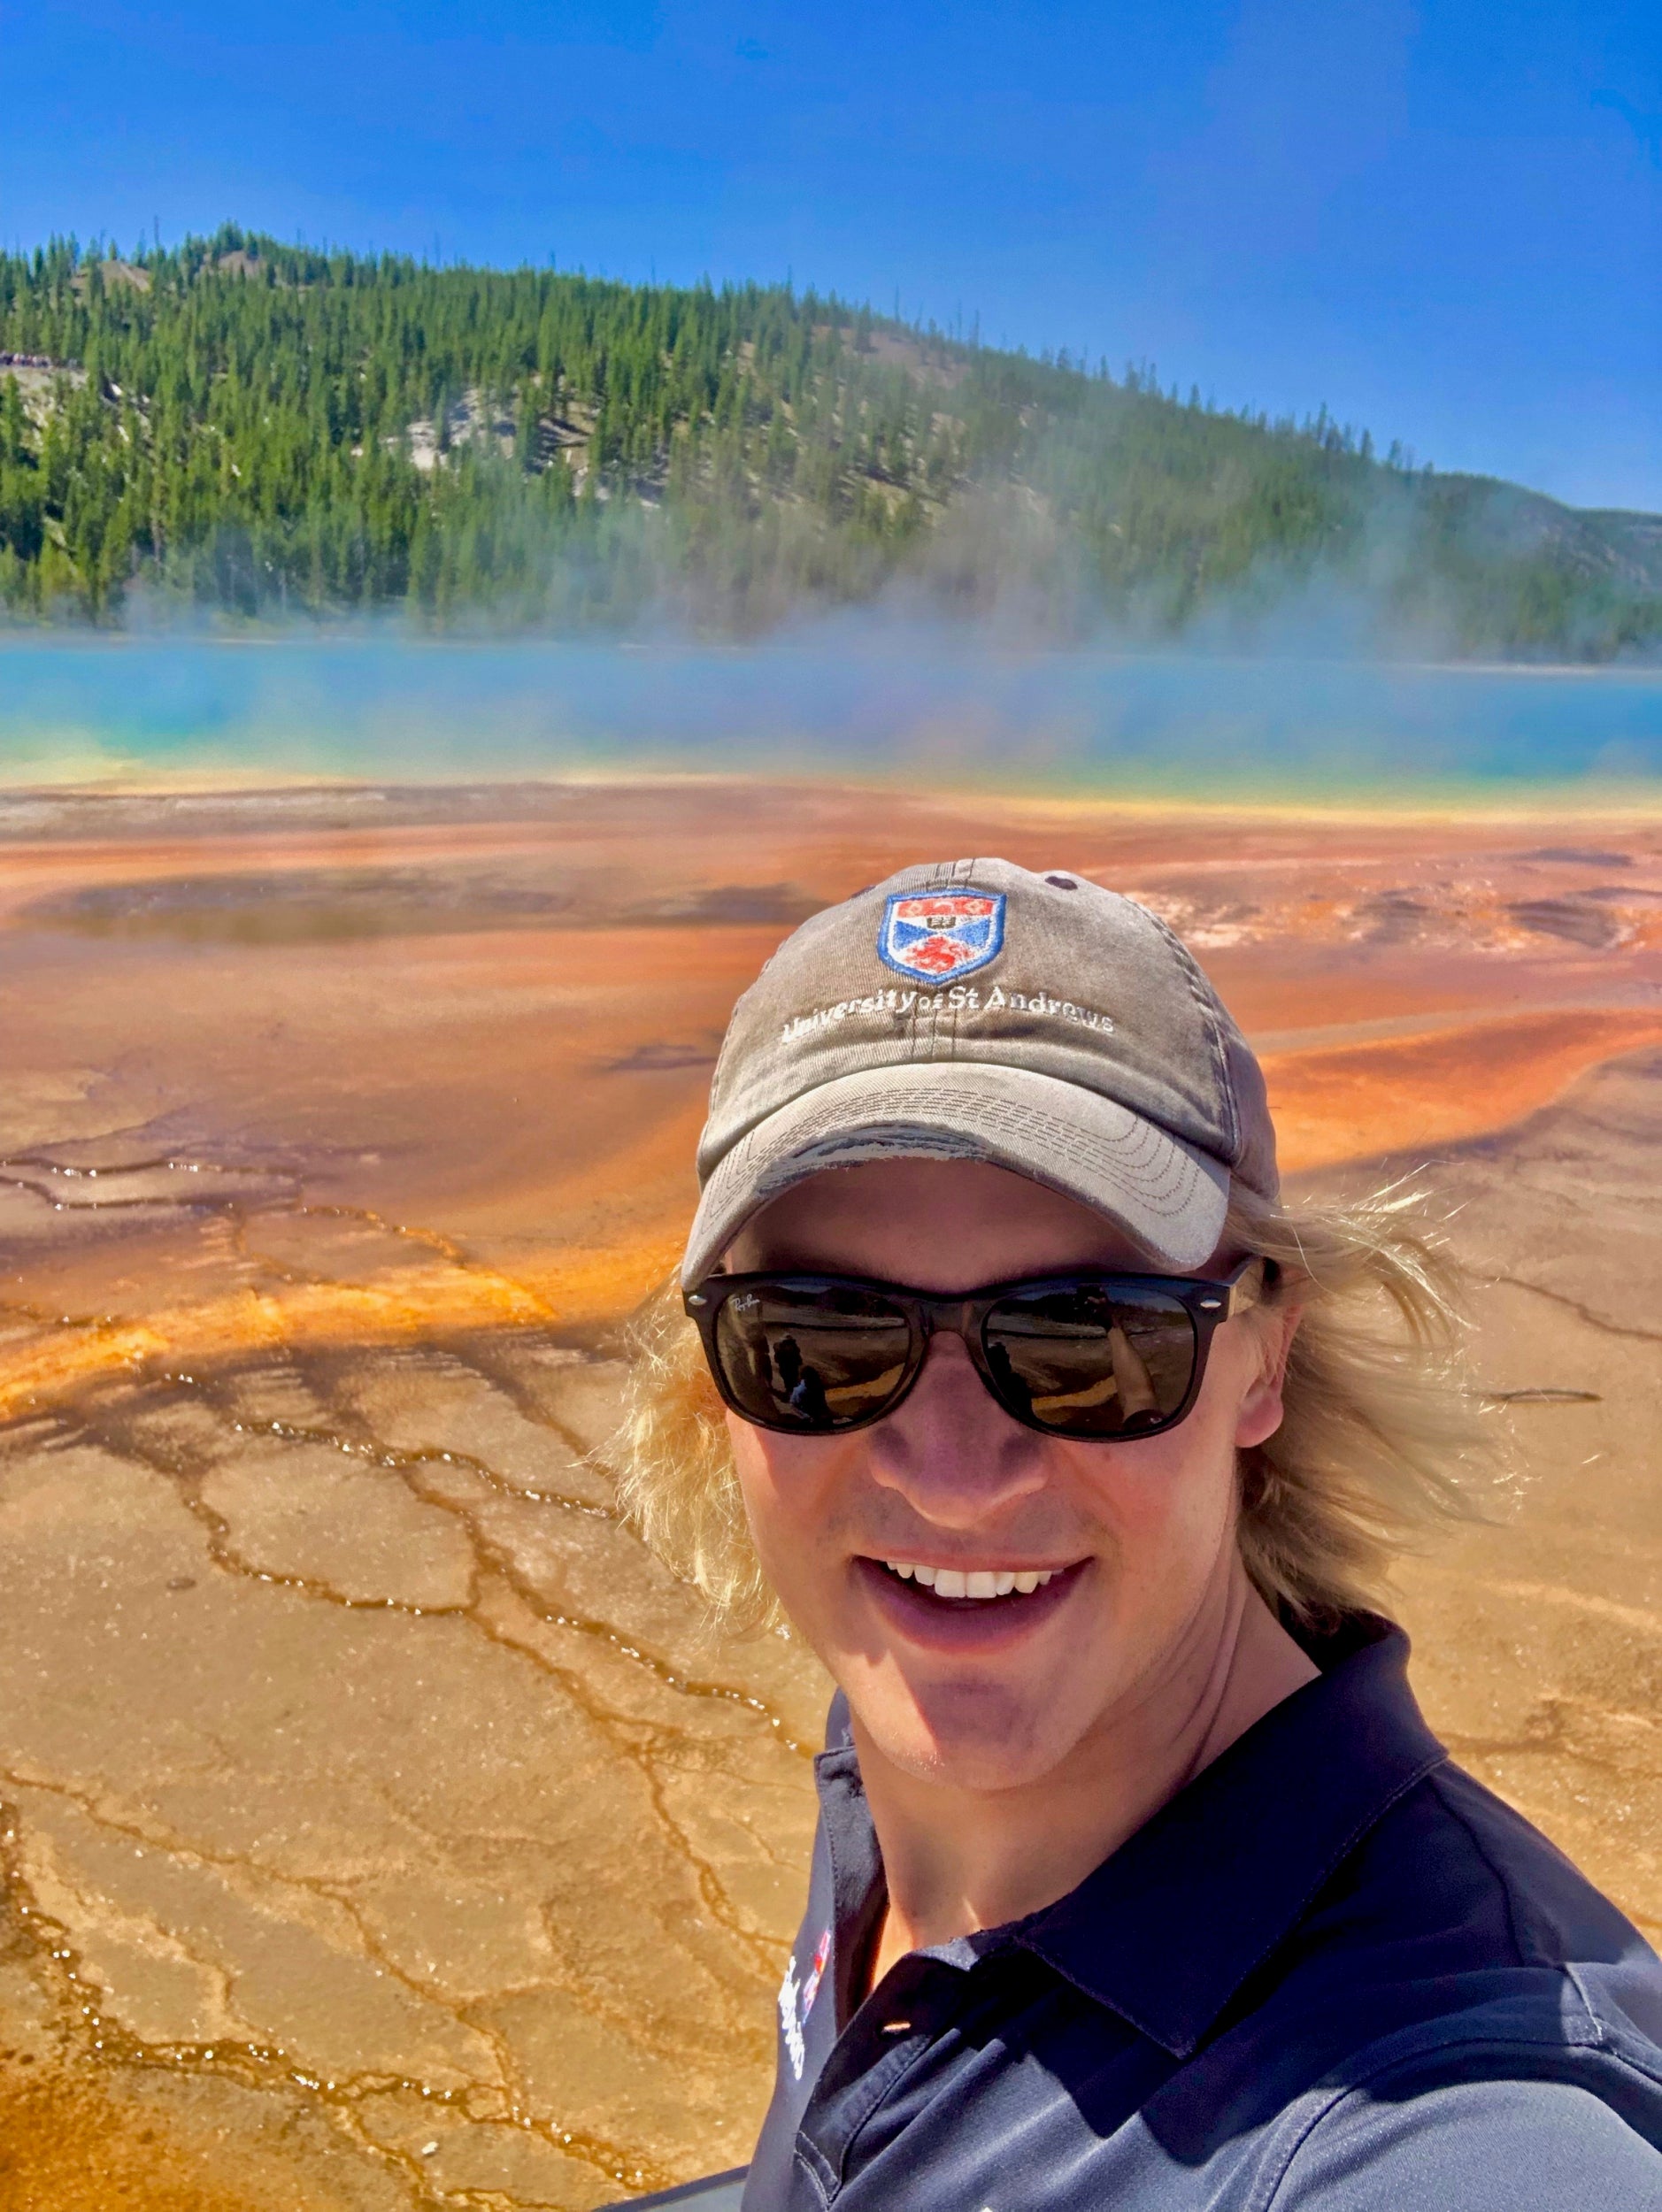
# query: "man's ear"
[1260,1413]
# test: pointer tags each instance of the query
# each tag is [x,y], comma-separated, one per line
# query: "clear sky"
[1443,220]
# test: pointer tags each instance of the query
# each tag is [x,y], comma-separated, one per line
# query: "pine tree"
[239,434]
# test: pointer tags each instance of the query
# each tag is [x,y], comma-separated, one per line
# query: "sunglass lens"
[814,1358]
[1087,1362]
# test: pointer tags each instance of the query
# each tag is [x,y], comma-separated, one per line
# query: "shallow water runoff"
[853,698]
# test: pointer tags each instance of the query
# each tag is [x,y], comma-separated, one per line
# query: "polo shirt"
[1333,1974]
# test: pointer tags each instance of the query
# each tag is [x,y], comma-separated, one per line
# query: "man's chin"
[981,1737]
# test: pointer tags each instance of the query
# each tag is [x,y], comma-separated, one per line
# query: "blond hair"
[1381,1438]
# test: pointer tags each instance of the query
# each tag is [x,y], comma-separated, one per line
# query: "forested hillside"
[244,425]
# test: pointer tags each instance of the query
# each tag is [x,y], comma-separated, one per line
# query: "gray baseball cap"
[971,1010]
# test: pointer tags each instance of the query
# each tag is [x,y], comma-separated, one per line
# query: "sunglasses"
[1092,1355]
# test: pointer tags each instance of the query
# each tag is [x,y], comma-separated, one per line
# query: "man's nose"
[951,1448]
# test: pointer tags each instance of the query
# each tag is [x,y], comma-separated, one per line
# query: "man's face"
[1138,1537]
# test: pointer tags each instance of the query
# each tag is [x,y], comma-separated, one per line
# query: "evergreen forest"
[255,430]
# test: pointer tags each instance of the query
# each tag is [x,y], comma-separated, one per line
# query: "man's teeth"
[951,1582]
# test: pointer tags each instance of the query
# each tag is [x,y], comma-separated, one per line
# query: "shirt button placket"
[876,2054]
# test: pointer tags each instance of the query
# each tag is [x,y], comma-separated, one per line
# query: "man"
[1140,1881]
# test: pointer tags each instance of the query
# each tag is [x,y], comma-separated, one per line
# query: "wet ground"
[380,1826]
[357,1761]
[1538,1639]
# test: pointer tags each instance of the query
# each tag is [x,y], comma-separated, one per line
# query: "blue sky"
[1443,220]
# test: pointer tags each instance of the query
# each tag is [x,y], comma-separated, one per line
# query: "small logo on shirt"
[935,933]
[795,2002]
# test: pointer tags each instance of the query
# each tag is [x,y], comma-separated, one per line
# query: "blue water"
[840,701]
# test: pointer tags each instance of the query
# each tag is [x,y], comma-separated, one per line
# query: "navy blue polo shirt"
[1333,1974]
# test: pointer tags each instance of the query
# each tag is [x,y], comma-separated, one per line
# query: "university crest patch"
[932,934]
[795,2002]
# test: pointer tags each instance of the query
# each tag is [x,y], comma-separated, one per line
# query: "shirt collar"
[1167,1928]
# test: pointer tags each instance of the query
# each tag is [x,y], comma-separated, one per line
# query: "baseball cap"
[970,1010]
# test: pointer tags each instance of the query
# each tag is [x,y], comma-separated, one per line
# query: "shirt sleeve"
[1479,2147]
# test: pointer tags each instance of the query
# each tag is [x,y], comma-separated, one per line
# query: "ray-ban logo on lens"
[933,933]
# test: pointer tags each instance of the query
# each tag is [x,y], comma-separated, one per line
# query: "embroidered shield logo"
[816,1974]
[931,934]
[795,2002]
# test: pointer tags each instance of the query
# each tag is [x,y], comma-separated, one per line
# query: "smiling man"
[1000,1370]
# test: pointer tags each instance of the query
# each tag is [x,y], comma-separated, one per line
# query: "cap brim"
[1169,1197]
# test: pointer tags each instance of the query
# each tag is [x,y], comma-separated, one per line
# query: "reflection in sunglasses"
[1067,1356]
[1136,1391]
[856,1392]
[1130,1380]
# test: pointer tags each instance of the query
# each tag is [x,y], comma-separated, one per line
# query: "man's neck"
[958,1860]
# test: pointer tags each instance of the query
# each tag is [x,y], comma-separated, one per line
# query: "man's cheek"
[785,1529]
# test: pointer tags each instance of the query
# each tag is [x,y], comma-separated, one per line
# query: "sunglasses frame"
[1208,1300]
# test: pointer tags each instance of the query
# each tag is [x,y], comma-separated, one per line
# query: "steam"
[876,696]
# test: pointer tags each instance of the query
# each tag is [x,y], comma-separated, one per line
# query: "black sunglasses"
[1094,1355]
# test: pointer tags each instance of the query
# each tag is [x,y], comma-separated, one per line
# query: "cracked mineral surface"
[354,1766]
[380,1825]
